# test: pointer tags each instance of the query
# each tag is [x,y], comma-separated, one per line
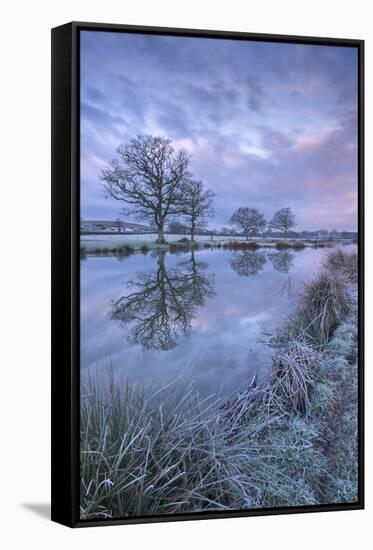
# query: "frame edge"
[62,368]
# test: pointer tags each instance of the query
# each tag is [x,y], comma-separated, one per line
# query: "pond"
[206,314]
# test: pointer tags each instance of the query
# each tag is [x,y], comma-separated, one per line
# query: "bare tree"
[198,205]
[150,176]
[283,219]
[248,220]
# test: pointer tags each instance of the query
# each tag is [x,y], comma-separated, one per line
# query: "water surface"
[151,317]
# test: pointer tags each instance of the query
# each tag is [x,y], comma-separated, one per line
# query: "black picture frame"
[65,270]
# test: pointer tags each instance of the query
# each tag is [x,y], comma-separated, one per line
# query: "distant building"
[111,226]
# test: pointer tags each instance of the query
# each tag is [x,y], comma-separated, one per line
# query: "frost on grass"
[342,375]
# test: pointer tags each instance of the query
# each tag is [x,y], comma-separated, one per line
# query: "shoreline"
[93,248]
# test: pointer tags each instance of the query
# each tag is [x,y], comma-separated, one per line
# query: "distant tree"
[225,231]
[177,228]
[150,176]
[283,220]
[198,205]
[248,220]
[119,225]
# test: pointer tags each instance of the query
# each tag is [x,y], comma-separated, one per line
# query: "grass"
[323,306]
[345,264]
[290,441]
[241,245]
[293,374]
[326,300]
[120,251]
[296,245]
[149,456]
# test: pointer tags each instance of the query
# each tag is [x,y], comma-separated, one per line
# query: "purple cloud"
[266,125]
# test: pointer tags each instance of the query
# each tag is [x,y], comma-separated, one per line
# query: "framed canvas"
[207,274]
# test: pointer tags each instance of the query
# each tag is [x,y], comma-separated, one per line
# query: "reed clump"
[342,263]
[241,245]
[284,245]
[298,245]
[323,306]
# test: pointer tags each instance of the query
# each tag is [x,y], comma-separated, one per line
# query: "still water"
[208,313]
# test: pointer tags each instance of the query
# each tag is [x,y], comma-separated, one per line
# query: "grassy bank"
[118,248]
[290,441]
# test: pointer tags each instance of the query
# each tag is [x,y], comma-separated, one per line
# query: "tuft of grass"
[241,245]
[323,306]
[293,374]
[283,245]
[343,264]
[298,245]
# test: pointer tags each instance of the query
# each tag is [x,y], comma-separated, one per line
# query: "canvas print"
[218,274]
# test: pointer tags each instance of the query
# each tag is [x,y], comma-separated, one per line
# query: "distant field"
[137,240]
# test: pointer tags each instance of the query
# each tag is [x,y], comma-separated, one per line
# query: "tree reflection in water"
[247,263]
[282,261]
[163,302]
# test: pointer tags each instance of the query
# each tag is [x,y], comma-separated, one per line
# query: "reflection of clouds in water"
[218,355]
[222,348]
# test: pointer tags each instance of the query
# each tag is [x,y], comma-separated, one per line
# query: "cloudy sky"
[267,125]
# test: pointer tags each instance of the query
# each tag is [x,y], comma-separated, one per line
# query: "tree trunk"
[193,260]
[160,238]
[161,257]
[192,231]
